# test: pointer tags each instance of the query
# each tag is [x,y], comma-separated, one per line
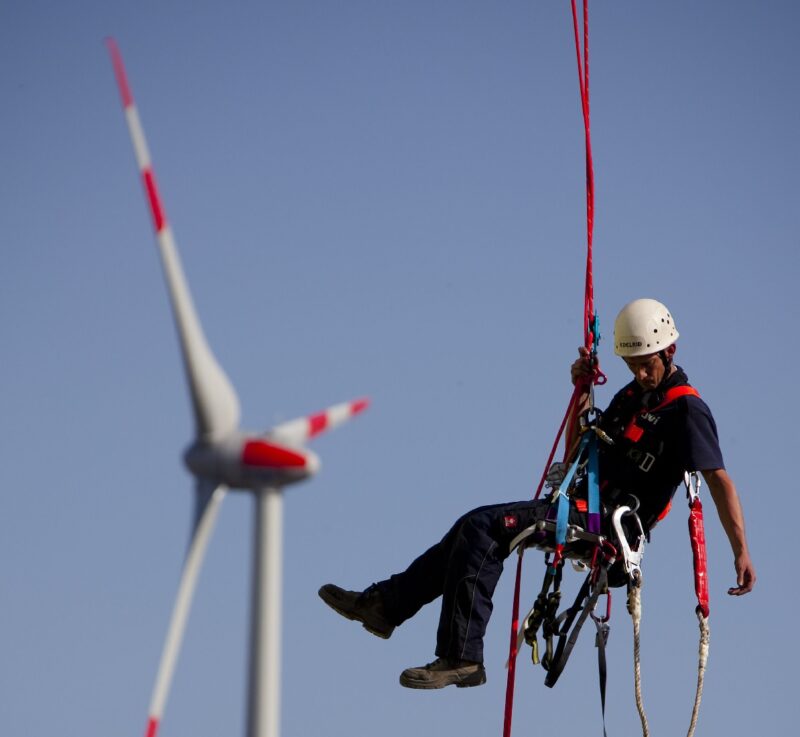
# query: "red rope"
[583,82]
[576,393]
[588,331]
[512,653]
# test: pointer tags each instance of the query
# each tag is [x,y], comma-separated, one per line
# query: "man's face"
[648,371]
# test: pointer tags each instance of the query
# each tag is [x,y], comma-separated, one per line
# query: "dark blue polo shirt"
[681,436]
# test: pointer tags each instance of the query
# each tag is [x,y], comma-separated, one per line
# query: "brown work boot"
[362,606]
[441,673]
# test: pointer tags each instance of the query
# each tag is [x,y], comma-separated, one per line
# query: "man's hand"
[582,368]
[745,575]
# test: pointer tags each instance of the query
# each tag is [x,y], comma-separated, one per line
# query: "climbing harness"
[623,548]
[617,552]
[589,550]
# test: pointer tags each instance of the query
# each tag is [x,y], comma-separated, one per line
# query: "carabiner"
[693,482]
[607,615]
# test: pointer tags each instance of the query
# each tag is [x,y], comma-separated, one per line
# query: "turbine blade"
[207,500]
[296,432]
[215,404]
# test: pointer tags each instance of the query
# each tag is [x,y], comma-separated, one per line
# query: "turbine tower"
[223,457]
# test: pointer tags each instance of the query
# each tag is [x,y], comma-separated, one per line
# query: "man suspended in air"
[657,434]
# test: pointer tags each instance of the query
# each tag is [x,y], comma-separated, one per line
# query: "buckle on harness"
[631,556]
[600,619]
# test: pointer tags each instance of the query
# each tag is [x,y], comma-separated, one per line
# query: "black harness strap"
[567,638]
[601,640]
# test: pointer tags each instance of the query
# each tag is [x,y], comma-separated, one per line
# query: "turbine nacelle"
[243,460]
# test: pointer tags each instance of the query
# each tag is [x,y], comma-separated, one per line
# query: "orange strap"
[634,432]
[676,392]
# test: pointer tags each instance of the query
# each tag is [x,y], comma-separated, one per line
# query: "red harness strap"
[634,432]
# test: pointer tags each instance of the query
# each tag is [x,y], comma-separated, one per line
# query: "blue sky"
[381,198]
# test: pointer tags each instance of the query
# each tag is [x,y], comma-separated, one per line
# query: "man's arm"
[729,509]
[580,371]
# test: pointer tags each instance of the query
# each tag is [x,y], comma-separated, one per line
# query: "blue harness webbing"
[562,510]
[593,485]
[588,444]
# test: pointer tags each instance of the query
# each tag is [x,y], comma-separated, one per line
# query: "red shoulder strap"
[634,432]
[676,392]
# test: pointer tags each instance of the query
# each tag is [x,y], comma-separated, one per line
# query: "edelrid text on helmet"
[643,326]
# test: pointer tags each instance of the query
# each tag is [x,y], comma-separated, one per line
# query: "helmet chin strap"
[667,361]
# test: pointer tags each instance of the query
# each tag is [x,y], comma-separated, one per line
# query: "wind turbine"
[223,457]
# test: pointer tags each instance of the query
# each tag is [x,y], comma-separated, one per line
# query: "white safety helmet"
[643,326]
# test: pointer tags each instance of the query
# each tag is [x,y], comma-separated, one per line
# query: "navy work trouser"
[463,568]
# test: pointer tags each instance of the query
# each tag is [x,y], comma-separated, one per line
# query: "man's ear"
[670,350]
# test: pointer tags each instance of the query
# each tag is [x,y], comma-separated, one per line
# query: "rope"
[705,635]
[635,609]
[590,336]
[512,651]
[576,392]
[583,81]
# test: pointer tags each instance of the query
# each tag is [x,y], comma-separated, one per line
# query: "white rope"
[701,668]
[635,609]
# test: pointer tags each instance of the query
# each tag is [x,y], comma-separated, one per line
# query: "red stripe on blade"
[317,423]
[359,405]
[159,218]
[267,455]
[119,71]
[152,727]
